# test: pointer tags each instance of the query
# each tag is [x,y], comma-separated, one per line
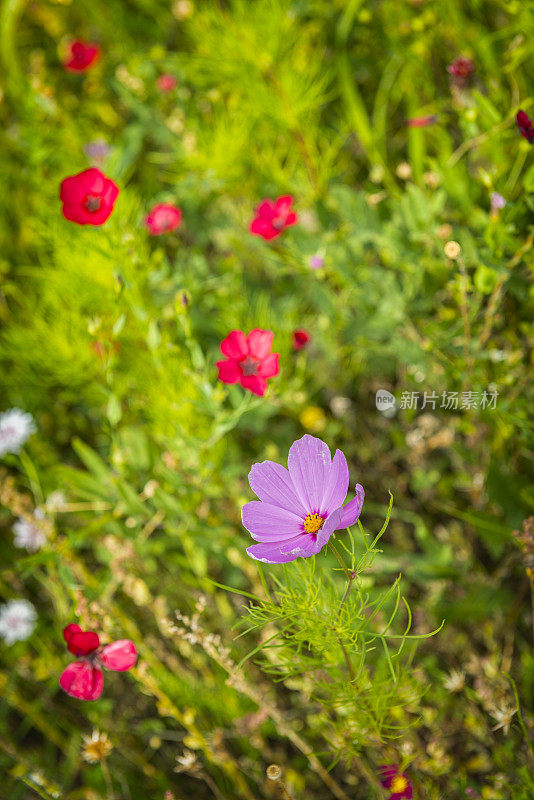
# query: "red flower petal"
[254,384]
[70,629]
[264,228]
[260,342]
[80,643]
[119,656]
[283,205]
[235,345]
[269,366]
[82,680]
[228,371]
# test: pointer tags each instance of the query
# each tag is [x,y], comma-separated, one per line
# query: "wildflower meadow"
[266,391]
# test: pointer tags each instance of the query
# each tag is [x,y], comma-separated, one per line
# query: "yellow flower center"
[399,784]
[313,523]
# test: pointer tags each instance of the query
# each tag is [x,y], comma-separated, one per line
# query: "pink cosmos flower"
[249,360]
[301,507]
[163,218]
[300,339]
[461,70]
[166,83]
[397,781]
[524,123]
[272,217]
[88,197]
[82,56]
[83,678]
[316,261]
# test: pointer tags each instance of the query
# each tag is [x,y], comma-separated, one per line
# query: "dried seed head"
[452,250]
[274,773]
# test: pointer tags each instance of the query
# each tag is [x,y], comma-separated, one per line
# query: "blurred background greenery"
[109,338]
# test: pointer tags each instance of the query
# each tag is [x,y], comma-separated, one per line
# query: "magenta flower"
[461,71]
[392,778]
[524,123]
[273,217]
[249,360]
[299,507]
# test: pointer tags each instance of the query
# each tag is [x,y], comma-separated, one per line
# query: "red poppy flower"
[163,218]
[249,360]
[88,197]
[461,70]
[392,778]
[82,56]
[166,83]
[300,339]
[272,217]
[83,678]
[524,123]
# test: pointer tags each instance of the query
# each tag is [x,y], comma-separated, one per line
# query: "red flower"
[249,360]
[83,678]
[421,122]
[272,217]
[82,56]
[300,338]
[88,197]
[163,218]
[524,123]
[461,70]
[166,83]
[397,781]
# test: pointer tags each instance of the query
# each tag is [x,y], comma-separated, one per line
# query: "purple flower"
[299,507]
[497,201]
[316,261]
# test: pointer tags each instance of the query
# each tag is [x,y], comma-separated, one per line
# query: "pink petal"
[335,491]
[291,219]
[235,345]
[254,384]
[269,366]
[309,464]
[119,656]
[303,546]
[270,523]
[266,209]
[229,371]
[352,510]
[272,483]
[332,523]
[82,680]
[260,343]
[264,228]
[283,205]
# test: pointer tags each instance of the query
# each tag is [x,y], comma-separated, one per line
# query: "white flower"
[17,620]
[15,427]
[30,534]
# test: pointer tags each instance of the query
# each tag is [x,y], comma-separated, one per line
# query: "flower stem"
[338,556]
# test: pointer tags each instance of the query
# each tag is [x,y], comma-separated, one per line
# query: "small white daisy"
[15,427]
[17,620]
[30,534]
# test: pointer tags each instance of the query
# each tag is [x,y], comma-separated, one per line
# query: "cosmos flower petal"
[266,522]
[337,485]
[309,463]
[283,552]
[82,680]
[331,524]
[272,483]
[283,204]
[352,510]
[235,345]
[119,656]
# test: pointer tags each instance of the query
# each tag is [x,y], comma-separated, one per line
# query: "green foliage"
[109,338]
